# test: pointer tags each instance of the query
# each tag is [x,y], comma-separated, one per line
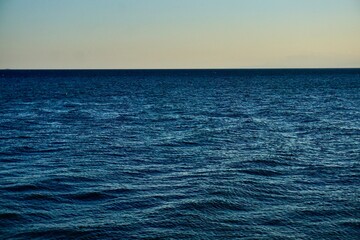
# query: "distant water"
[205,154]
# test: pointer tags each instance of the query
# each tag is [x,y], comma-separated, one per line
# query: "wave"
[208,154]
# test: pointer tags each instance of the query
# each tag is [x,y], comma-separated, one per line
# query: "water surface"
[190,154]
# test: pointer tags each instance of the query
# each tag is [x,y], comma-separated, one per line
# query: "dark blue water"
[206,154]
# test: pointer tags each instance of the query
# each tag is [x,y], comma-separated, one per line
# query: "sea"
[180,154]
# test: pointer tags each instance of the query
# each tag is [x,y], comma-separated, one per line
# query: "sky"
[162,34]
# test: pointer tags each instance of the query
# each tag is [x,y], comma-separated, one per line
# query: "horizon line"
[171,69]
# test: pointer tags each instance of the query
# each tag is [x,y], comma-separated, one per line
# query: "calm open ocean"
[180,154]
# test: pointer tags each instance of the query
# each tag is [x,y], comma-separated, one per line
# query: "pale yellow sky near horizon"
[179,34]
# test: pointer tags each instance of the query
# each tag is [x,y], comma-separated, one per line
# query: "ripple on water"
[225,154]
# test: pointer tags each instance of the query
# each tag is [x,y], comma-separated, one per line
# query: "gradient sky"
[179,33]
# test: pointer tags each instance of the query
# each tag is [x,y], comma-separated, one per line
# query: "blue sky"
[179,34]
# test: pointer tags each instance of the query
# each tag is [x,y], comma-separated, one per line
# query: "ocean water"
[186,154]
